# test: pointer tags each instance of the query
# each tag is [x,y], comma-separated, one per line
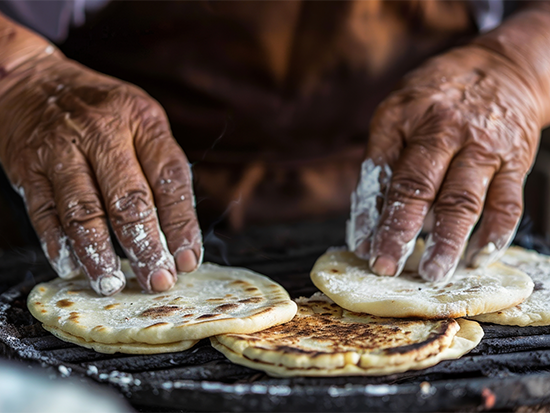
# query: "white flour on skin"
[484,256]
[64,265]
[110,282]
[491,252]
[408,248]
[140,244]
[364,213]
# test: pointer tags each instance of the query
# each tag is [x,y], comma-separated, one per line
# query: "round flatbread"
[535,310]
[212,300]
[128,348]
[349,282]
[326,340]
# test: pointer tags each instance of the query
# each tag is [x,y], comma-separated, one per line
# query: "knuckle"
[387,113]
[133,206]
[78,211]
[432,142]
[143,105]
[416,186]
[153,126]
[179,225]
[511,208]
[174,178]
[462,201]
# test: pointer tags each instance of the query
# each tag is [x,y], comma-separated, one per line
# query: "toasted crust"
[128,348]
[322,342]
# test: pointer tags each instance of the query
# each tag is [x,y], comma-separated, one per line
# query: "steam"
[212,240]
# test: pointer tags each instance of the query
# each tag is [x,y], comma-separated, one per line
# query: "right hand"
[85,149]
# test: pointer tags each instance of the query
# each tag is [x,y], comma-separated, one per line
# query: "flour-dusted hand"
[86,150]
[459,136]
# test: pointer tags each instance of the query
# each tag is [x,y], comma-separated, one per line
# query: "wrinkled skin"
[460,136]
[86,150]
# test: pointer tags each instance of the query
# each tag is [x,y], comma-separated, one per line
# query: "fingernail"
[437,269]
[384,266]
[111,284]
[162,280]
[186,261]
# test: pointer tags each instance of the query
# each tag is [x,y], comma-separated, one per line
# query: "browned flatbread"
[324,339]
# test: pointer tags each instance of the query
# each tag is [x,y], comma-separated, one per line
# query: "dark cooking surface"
[510,367]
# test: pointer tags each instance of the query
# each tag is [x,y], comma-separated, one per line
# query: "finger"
[81,214]
[383,147]
[131,210]
[167,169]
[38,197]
[501,216]
[414,186]
[457,209]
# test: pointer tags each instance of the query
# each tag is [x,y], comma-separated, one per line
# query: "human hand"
[85,150]
[459,137]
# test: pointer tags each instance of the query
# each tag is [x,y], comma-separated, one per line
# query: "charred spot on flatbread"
[251,300]
[158,312]
[201,304]
[226,307]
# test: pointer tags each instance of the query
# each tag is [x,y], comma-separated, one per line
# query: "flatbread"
[349,282]
[326,340]
[128,348]
[212,300]
[535,310]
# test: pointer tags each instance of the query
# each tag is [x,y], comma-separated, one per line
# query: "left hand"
[460,137]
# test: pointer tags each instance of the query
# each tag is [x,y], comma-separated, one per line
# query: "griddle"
[510,367]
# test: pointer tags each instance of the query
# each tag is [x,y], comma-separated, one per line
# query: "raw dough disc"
[349,282]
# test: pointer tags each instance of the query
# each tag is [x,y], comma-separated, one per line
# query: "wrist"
[20,49]
[523,42]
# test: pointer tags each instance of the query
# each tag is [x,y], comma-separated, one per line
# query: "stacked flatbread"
[535,310]
[326,340]
[250,318]
[212,300]
[350,337]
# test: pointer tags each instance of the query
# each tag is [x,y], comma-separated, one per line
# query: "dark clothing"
[271,101]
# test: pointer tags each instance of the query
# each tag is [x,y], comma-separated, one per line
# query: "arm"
[524,40]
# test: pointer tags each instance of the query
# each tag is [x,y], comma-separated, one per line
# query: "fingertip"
[431,271]
[487,255]
[162,280]
[186,260]
[384,266]
[108,285]
[437,268]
